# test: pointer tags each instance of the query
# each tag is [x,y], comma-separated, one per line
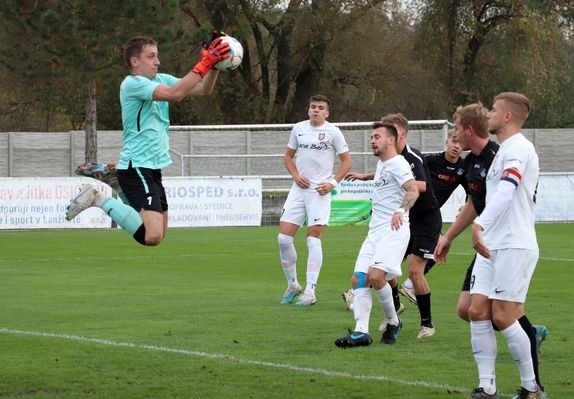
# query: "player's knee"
[354,281]
[477,313]
[284,239]
[313,242]
[462,311]
[153,237]
[359,280]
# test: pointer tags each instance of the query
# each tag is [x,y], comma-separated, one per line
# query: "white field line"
[238,360]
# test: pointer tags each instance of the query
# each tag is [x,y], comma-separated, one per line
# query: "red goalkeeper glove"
[216,52]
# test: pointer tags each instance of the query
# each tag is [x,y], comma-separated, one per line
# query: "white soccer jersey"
[515,163]
[316,148]
[388,191]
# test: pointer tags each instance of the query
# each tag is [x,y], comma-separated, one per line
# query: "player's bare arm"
[411,196]
[421,186]
[191,83]
[289,160]
[325,188]
[478,242]
[359,176]
[464,219]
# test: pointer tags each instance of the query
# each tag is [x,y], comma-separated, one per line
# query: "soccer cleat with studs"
[82,201]
[541,332]
[479,393]
[391,333]
[354,339]
[383,326]
[348,298]
[425,332]
[409,293]
[306,300]
[290,294]
[523,393]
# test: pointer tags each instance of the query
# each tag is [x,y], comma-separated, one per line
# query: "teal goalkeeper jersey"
[146,123]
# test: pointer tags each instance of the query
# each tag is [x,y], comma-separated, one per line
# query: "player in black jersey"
[447,173]
[471,129]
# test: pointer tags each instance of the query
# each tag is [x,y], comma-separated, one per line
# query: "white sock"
[314,263]
[288,256]
[408,283]
[519,346]
[485,350]
[385,296]
[362,302]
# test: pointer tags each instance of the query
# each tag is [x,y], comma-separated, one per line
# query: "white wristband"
[401,210]
[334,182]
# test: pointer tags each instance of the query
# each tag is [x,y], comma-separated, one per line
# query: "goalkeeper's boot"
[348,298]
[290,294]
[306,300]
[85,199]
[541,334]
[383,325]
[354,339]
[105,173]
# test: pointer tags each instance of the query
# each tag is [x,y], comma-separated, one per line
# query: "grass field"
[93,314]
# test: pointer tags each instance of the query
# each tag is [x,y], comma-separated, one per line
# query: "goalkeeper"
[144,97]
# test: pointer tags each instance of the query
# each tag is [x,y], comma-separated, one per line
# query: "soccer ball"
[229,64]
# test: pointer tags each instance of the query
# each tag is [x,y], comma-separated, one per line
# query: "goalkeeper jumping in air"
[144,96]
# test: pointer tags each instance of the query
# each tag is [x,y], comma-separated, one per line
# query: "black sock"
[396,297]
[430,263]
[531,332]
[139,235]
[425,309]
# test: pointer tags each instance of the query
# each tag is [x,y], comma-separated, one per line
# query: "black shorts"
[468,277]
[143,188]
[425,232]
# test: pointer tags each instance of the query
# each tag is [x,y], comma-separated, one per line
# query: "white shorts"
[505,276]
[301,204]
[384,249]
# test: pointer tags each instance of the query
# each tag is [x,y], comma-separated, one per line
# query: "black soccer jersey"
[476,168]
[445,175]
[421,172]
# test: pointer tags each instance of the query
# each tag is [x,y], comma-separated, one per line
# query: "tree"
[493,46]
[61,43]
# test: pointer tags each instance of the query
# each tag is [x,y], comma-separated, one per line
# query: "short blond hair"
[518,104]
[473,115]
[397,120]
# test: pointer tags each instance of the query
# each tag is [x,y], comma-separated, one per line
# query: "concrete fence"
[27,154]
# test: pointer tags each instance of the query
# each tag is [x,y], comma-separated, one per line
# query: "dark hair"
[391,129]
[320,97]
[134,46]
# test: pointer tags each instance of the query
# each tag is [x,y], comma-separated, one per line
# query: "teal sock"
[124,215]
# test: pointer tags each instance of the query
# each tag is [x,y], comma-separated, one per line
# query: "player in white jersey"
[394,193]
[315,141]
[505,239]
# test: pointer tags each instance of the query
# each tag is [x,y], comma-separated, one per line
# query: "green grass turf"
[93,314]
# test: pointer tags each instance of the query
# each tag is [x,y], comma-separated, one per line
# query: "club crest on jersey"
[321,136]
[460,172]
